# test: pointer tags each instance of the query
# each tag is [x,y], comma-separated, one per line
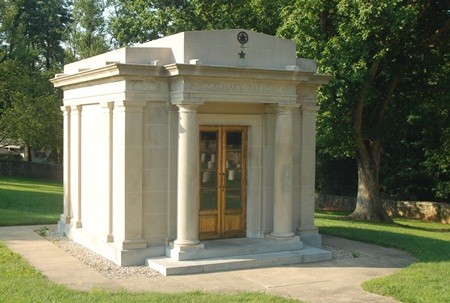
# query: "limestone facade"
[131,140]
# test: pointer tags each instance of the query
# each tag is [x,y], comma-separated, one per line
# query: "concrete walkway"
[330,281]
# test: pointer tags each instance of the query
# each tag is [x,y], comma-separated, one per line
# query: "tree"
[31,36]
[141,21]
[32,31]
[30,111]
[370,47]
[88,30]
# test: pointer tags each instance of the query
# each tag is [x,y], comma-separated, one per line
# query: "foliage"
[417,154]
[140,21]
[29,107]
[28,202]
[87,34]
[42,231]
[31,35]
[429,242]
[32,31]
[335,176]
[370,47]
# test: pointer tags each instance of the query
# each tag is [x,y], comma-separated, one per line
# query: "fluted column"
[188,178]
[282,221]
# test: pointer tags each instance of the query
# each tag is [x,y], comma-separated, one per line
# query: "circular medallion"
[242,37]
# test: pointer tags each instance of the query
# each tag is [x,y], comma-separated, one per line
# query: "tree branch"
[381,107]
[438,34]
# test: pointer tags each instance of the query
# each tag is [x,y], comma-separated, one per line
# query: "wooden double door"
[223,175]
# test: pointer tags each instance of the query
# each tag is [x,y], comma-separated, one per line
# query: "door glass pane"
[208,169]
[233,198]
[233,172]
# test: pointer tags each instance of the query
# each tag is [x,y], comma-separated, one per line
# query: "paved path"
[330,281]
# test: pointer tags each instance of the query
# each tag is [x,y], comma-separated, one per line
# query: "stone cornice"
[192,70]
[120,71]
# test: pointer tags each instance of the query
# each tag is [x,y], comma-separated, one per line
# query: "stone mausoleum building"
[194,152]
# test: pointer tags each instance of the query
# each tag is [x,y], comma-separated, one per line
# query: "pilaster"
[268,130]
[67,214]
[107,164]
[306,227]
[127,174]
[75,165]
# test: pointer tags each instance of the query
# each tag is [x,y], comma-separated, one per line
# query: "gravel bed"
[111,271]
[102,265]
[339,253]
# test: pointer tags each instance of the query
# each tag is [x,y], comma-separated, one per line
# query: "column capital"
[65,109]
[76,108]
[129,106]
[107,104]
[310,109]
[286,108]
[188,107]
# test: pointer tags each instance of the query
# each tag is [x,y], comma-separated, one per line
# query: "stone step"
[234,247]
[168,266]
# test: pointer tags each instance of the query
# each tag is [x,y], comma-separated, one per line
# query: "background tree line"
[383,126]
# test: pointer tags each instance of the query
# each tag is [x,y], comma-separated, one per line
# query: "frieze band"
[239,87]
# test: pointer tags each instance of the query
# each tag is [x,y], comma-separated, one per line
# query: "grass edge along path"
[422,282]
[20,283]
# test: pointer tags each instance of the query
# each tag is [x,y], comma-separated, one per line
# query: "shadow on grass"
[443,230]
[426,249]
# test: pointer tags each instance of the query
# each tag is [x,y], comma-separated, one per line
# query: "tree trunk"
[27,153]
[368,202]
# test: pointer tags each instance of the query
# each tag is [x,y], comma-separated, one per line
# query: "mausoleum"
[194,152]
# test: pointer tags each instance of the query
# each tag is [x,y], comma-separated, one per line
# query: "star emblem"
[242,55]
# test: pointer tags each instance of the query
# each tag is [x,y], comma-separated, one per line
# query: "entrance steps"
[231,254]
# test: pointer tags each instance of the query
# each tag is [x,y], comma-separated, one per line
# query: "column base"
[282,235]
[109,238]
[186,245]
[180,252]
[65,219]
[76,223]
[283,238]
[134,244]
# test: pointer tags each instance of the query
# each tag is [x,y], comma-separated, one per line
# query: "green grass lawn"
[28,201]
[428,280]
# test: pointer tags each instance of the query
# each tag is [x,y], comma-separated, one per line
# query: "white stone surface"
[131,139]
[282,209]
